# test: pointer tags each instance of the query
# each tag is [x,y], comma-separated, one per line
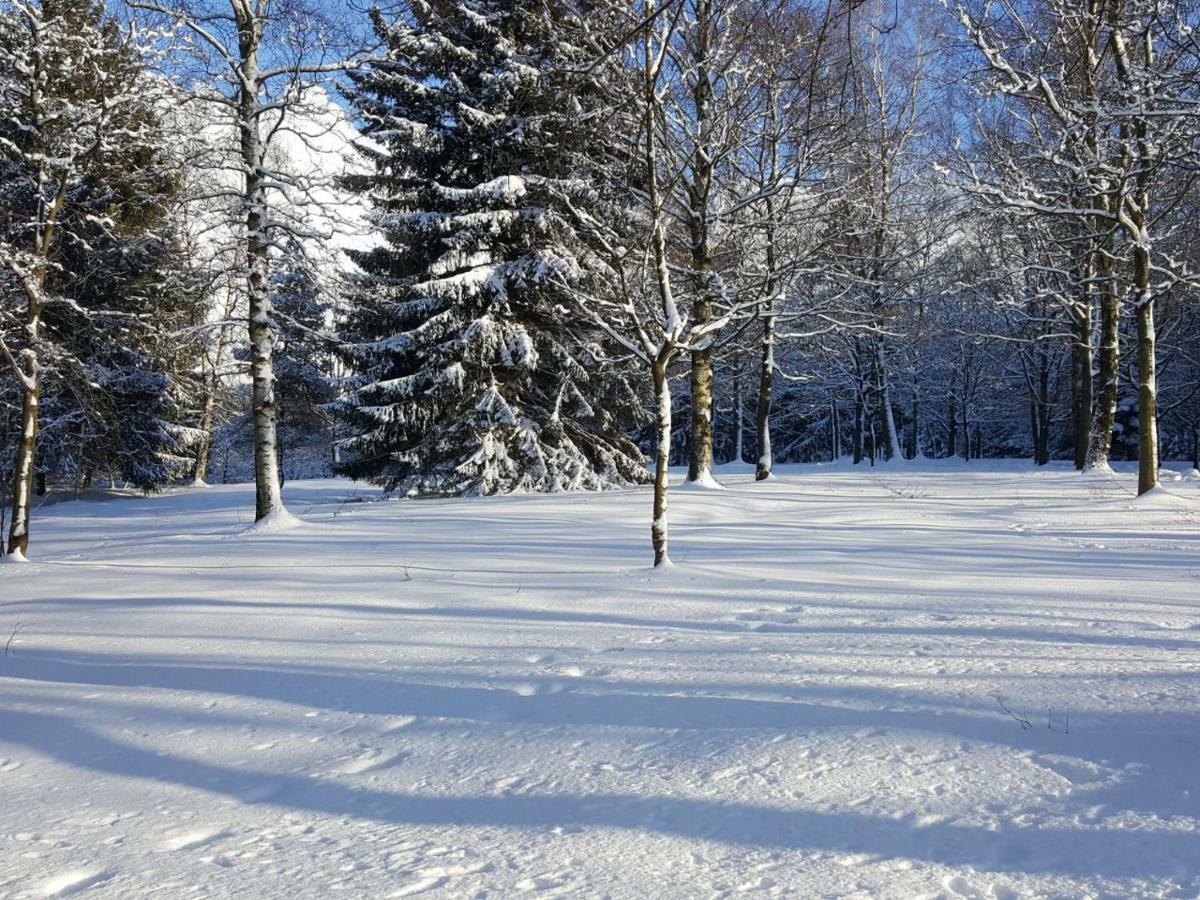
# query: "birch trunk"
[766,377]
[18,535]
[662,450]
[952,423]
[1100,440]
[268,497]
[890,441]
[1081,377]
[1147,377]
[204,449]
[739,442]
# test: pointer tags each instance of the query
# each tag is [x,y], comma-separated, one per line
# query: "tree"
[471,371]
[250,63]
[77,139]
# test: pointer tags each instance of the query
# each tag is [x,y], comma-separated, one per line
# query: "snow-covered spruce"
[87,252]
[474,371]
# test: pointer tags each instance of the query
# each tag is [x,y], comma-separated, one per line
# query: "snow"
[452,697]
[274,522]
[703,482]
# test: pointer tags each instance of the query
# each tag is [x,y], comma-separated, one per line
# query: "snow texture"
[963,681]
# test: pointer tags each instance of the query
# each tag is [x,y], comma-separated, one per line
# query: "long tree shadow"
[1105,852]
[1170,640]
[1148,748]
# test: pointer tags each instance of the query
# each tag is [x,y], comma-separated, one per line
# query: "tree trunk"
[858,436]
[1039,410]
[911,449]
[835,432]
[1105,416]
[739,433]
[888,438]
[24,464]
[1147,378]
[268,496]
[662,450]
[766,376]
[204,450]
[966,434]
[699,190]
[952,426]
[1081,373]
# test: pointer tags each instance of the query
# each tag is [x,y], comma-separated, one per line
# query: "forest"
[498,246]
[350,354]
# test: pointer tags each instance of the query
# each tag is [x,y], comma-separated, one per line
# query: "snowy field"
[497,698]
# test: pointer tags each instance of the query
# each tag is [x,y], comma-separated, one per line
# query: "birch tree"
[251,64]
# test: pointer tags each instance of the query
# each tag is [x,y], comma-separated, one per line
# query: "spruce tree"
[474,371]
[303,361]
[82,187]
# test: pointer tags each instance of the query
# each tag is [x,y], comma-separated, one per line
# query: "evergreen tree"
[303,377]
[474,371]
[82,247]
[115,406]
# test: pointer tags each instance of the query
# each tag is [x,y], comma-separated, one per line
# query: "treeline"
[481,246]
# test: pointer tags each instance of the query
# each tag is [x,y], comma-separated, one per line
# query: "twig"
[12,637]
[1021,720]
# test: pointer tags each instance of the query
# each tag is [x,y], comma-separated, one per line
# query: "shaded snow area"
[495,698]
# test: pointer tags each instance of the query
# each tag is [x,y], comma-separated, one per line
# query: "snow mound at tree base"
[1158,497]
[278,521]
[705,482]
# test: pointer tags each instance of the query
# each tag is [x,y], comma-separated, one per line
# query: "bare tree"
[252,63]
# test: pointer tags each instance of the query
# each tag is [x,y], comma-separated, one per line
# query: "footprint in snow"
[550,883]
[958,886]
[434,878]
[1075,771]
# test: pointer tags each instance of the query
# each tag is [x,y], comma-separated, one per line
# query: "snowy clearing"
[497,697]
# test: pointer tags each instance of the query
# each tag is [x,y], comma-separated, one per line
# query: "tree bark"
[1040,411]
[889,439]
[739,421]
[914,424]
[1081,377]
[662,450]
[1147,378]
[952,427]
[766,377]
[18,535]
[1105,416]
[268,496]
[858,436]
[966,434]
[204,450]
[699,190]
[835,431]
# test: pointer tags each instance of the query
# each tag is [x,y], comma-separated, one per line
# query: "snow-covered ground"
[497,698]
